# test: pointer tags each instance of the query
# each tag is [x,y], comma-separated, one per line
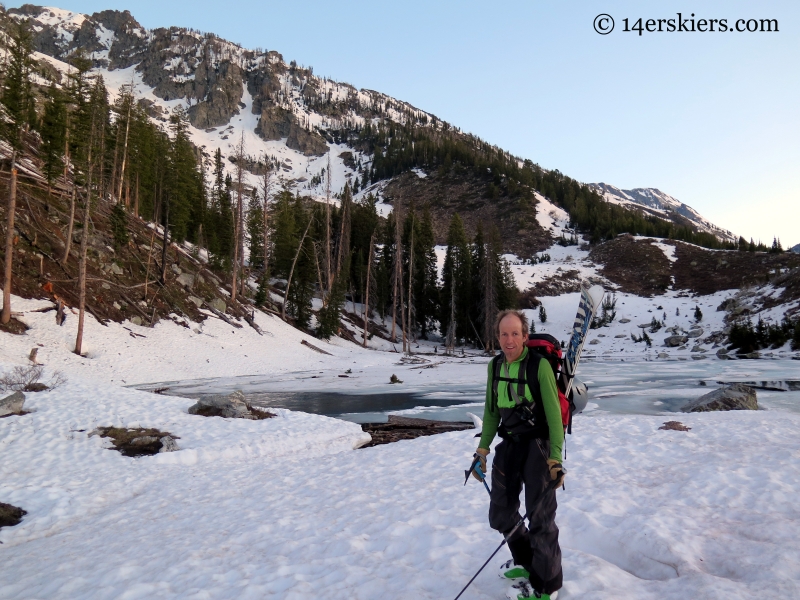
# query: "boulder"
[136,320]
[736,396]
[674,341]
[198,302]
[168,444]
[623,321]
[116,269]
[186,279]
[695,332]
[12,405]
[663,355]
[219,305]
[594,341]
[232,407]
[699,348]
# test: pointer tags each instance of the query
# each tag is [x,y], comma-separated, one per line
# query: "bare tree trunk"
[149,258]
[9,258]
[367,286]
[397,297]
[136,198]
[84,246]
[328,258]
[165,244]
[319,271]
[267,189]
[490,297]
[125,150]
[69,227]
[291,271]
[237,232]
[410,280]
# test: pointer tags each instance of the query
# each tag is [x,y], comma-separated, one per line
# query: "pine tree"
[255,232]
[542,314]
[119,227]
[286,234]
[456,282]
[53,132]
[426,292]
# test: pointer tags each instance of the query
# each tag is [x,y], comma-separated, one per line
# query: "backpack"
[549,348]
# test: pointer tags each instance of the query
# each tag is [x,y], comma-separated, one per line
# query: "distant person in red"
[526,414]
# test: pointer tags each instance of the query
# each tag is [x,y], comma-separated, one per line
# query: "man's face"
[512,338]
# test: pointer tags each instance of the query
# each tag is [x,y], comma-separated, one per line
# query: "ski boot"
[510,570]
[524,591]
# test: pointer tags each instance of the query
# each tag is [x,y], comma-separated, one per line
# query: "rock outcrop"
[736,396]
[233,406]
[12,405]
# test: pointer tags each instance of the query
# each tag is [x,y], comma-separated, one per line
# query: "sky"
[711,118]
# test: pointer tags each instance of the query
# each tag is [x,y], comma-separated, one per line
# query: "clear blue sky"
[710,118]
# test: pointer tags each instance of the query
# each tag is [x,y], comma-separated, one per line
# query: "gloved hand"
[480,454]
[557,472]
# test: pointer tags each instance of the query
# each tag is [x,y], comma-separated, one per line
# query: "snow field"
[292,510]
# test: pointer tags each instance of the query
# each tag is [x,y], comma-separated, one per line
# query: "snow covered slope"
[662,205]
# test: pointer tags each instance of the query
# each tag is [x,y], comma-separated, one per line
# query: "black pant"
[535,548]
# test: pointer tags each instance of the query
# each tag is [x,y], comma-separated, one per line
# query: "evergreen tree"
[542,314]
[17,95]
[119,226]
[426,290]
[286,234]
[53,132]
[255,232]
[456,282]
[301,291]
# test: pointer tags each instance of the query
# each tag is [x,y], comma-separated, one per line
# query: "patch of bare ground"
[708,271]
[636,266]
[136,441]
[463,193]
[14,326]
[790,282]
[406,428]
[565,282]
[123,281]
[674,426]
[10,515]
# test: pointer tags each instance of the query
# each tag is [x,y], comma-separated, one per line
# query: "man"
[522,407]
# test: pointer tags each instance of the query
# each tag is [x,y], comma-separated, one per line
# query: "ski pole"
[506,537]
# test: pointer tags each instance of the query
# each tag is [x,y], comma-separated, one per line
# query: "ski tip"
[596,293]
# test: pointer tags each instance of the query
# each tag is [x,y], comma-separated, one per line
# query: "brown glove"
[557,472]
[482,453]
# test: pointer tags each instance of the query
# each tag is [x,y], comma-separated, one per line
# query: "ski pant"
[524,463]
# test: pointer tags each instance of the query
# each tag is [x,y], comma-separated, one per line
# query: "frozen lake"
[619,387]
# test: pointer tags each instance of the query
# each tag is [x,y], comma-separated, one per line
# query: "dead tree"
[68,243]
[291,271]
[367,314]
[266,188]
[237,230]
[328,256]
[9,258]
[410,280]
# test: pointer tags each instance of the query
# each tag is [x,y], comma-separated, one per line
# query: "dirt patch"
[708,271]
[637,266]
[675,426]
[405,428]
[10,515]
[138,441]
[565,282]
[14,326]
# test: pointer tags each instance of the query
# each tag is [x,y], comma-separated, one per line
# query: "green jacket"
[552,407]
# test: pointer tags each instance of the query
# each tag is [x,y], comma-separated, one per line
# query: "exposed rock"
[620,336]
[186,279]
[277,123]
[727,304]
[116,269]
[736,396]
[594,342]
[698,348]
[675,340]
[168,444]
[663,355]
[219,305]
[624,321]
[10,515]
[695,332]
[198,302]
[394,379]
[12,405]
[176,269]
[136,320]
[233,406]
